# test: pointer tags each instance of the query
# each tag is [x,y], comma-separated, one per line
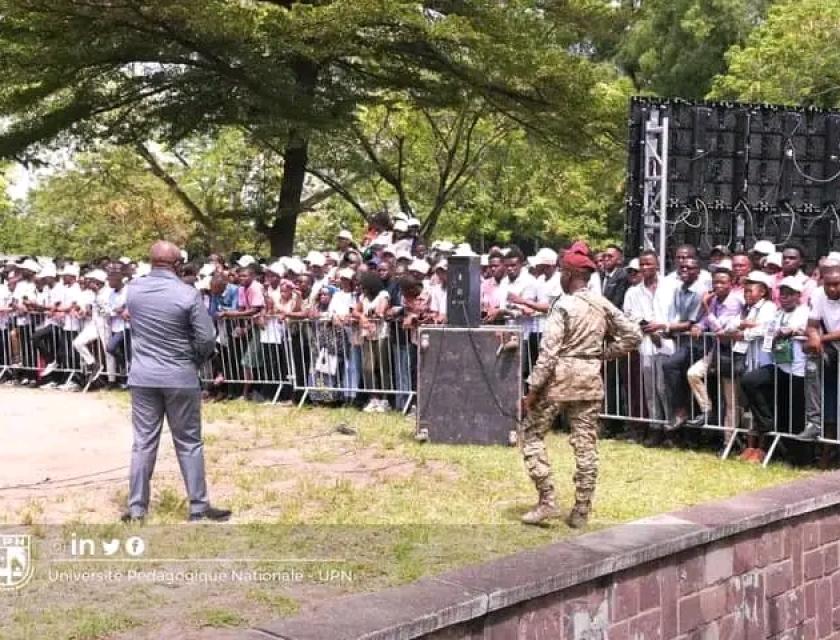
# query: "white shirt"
[24,290]
[548,290]
[797,320]
[527,287]
[825,310]
[116,300]
[342,303]
[5,303]
[71,295]
[437,299]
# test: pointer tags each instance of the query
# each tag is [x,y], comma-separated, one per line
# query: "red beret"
[577,257]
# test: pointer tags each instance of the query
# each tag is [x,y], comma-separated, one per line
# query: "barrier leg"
[91,379]
[733,436]
[408,404]
[771,451]
[303,398]
[278,392]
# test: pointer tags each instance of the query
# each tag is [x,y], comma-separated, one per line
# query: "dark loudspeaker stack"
[468,388]
[463,292]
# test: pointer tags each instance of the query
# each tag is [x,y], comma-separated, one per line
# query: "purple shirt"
[722,315]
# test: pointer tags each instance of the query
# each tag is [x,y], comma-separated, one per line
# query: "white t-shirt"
[825,310]
[437,299]
[5,303]
[70,295]
[527,287]
[116,300]
[797,320]
[342,303]
[24,291]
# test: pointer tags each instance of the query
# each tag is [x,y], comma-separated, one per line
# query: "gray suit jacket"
[172,334]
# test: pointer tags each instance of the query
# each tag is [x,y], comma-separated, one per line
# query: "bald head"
[164,254]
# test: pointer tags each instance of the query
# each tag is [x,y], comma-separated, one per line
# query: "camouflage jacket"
[583,329]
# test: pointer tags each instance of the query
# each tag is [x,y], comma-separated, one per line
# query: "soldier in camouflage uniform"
[583,329]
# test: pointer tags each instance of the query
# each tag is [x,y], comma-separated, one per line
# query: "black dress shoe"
[128,518]
[211,513]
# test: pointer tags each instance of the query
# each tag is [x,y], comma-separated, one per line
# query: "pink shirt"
[251,296]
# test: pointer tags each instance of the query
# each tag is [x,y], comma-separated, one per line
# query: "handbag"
[326,363]
[783,351]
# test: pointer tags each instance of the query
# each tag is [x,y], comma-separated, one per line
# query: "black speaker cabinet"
[463,292]
[469,384]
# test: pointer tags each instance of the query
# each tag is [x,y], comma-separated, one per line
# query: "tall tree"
[676,47]
[792,59]
[287,71]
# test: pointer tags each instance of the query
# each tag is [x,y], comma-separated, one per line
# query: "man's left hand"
[527,404]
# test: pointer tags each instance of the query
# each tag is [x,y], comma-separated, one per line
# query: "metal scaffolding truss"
[655,189]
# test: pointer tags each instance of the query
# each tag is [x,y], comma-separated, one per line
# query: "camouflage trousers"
[583,419]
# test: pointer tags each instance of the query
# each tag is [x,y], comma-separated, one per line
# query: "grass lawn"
[346,512]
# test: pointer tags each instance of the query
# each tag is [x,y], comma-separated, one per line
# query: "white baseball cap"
[246,261]
[792,282]
[277,267]
[413,222]
[634,265]
[30,265]
[419,266]
[774,258]
[445,246]
[184,255]
[546,256]
[98,275]
[401,215]
[346,273]
[764,247]
[390,249]
[723,265]
[402,254]
[125,260]
[295,265]
[346,235]
[70,269]
[316,259]
[760,277]
[203,284]
[207,270]
[443,264]
[48,271]
[401,226]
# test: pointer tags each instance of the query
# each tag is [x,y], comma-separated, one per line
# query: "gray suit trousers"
[182,408]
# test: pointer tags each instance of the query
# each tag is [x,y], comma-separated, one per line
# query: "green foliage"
[676,47]
[792,59]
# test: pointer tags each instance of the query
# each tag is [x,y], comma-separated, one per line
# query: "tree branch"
[157,169]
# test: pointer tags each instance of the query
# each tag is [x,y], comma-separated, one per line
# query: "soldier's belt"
[582,356]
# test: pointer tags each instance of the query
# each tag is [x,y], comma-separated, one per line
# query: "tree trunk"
[281,234]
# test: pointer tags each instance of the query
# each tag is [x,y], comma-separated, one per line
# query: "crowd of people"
[745,339]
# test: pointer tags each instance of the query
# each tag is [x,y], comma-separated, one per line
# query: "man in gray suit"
[172,336]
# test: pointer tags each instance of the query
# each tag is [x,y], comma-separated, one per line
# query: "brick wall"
[756,566]
[781,581]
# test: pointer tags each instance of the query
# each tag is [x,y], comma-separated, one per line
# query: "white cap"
[203,284]
[443,264]
[98,275]
[296,266]
[834,255]
[546,256]
[413,222]
[48,271]
[30,265]
[246,261]
[774,258]
[401,216]
[143,269]
[723,265]
[70,269]
[207,270]
[346,235]
[445,246]
[184,255]
[761,278]
[485,260]
[316,259]
[634,265]
[764,246]
[464,249]
[277,267]
[402,254]
[419,266]
[401,226]
[390,249]
[346,273]
[125,260]
[382,240]
[792,282]
[532,261]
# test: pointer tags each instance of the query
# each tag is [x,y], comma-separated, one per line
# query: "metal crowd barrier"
[325,359]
